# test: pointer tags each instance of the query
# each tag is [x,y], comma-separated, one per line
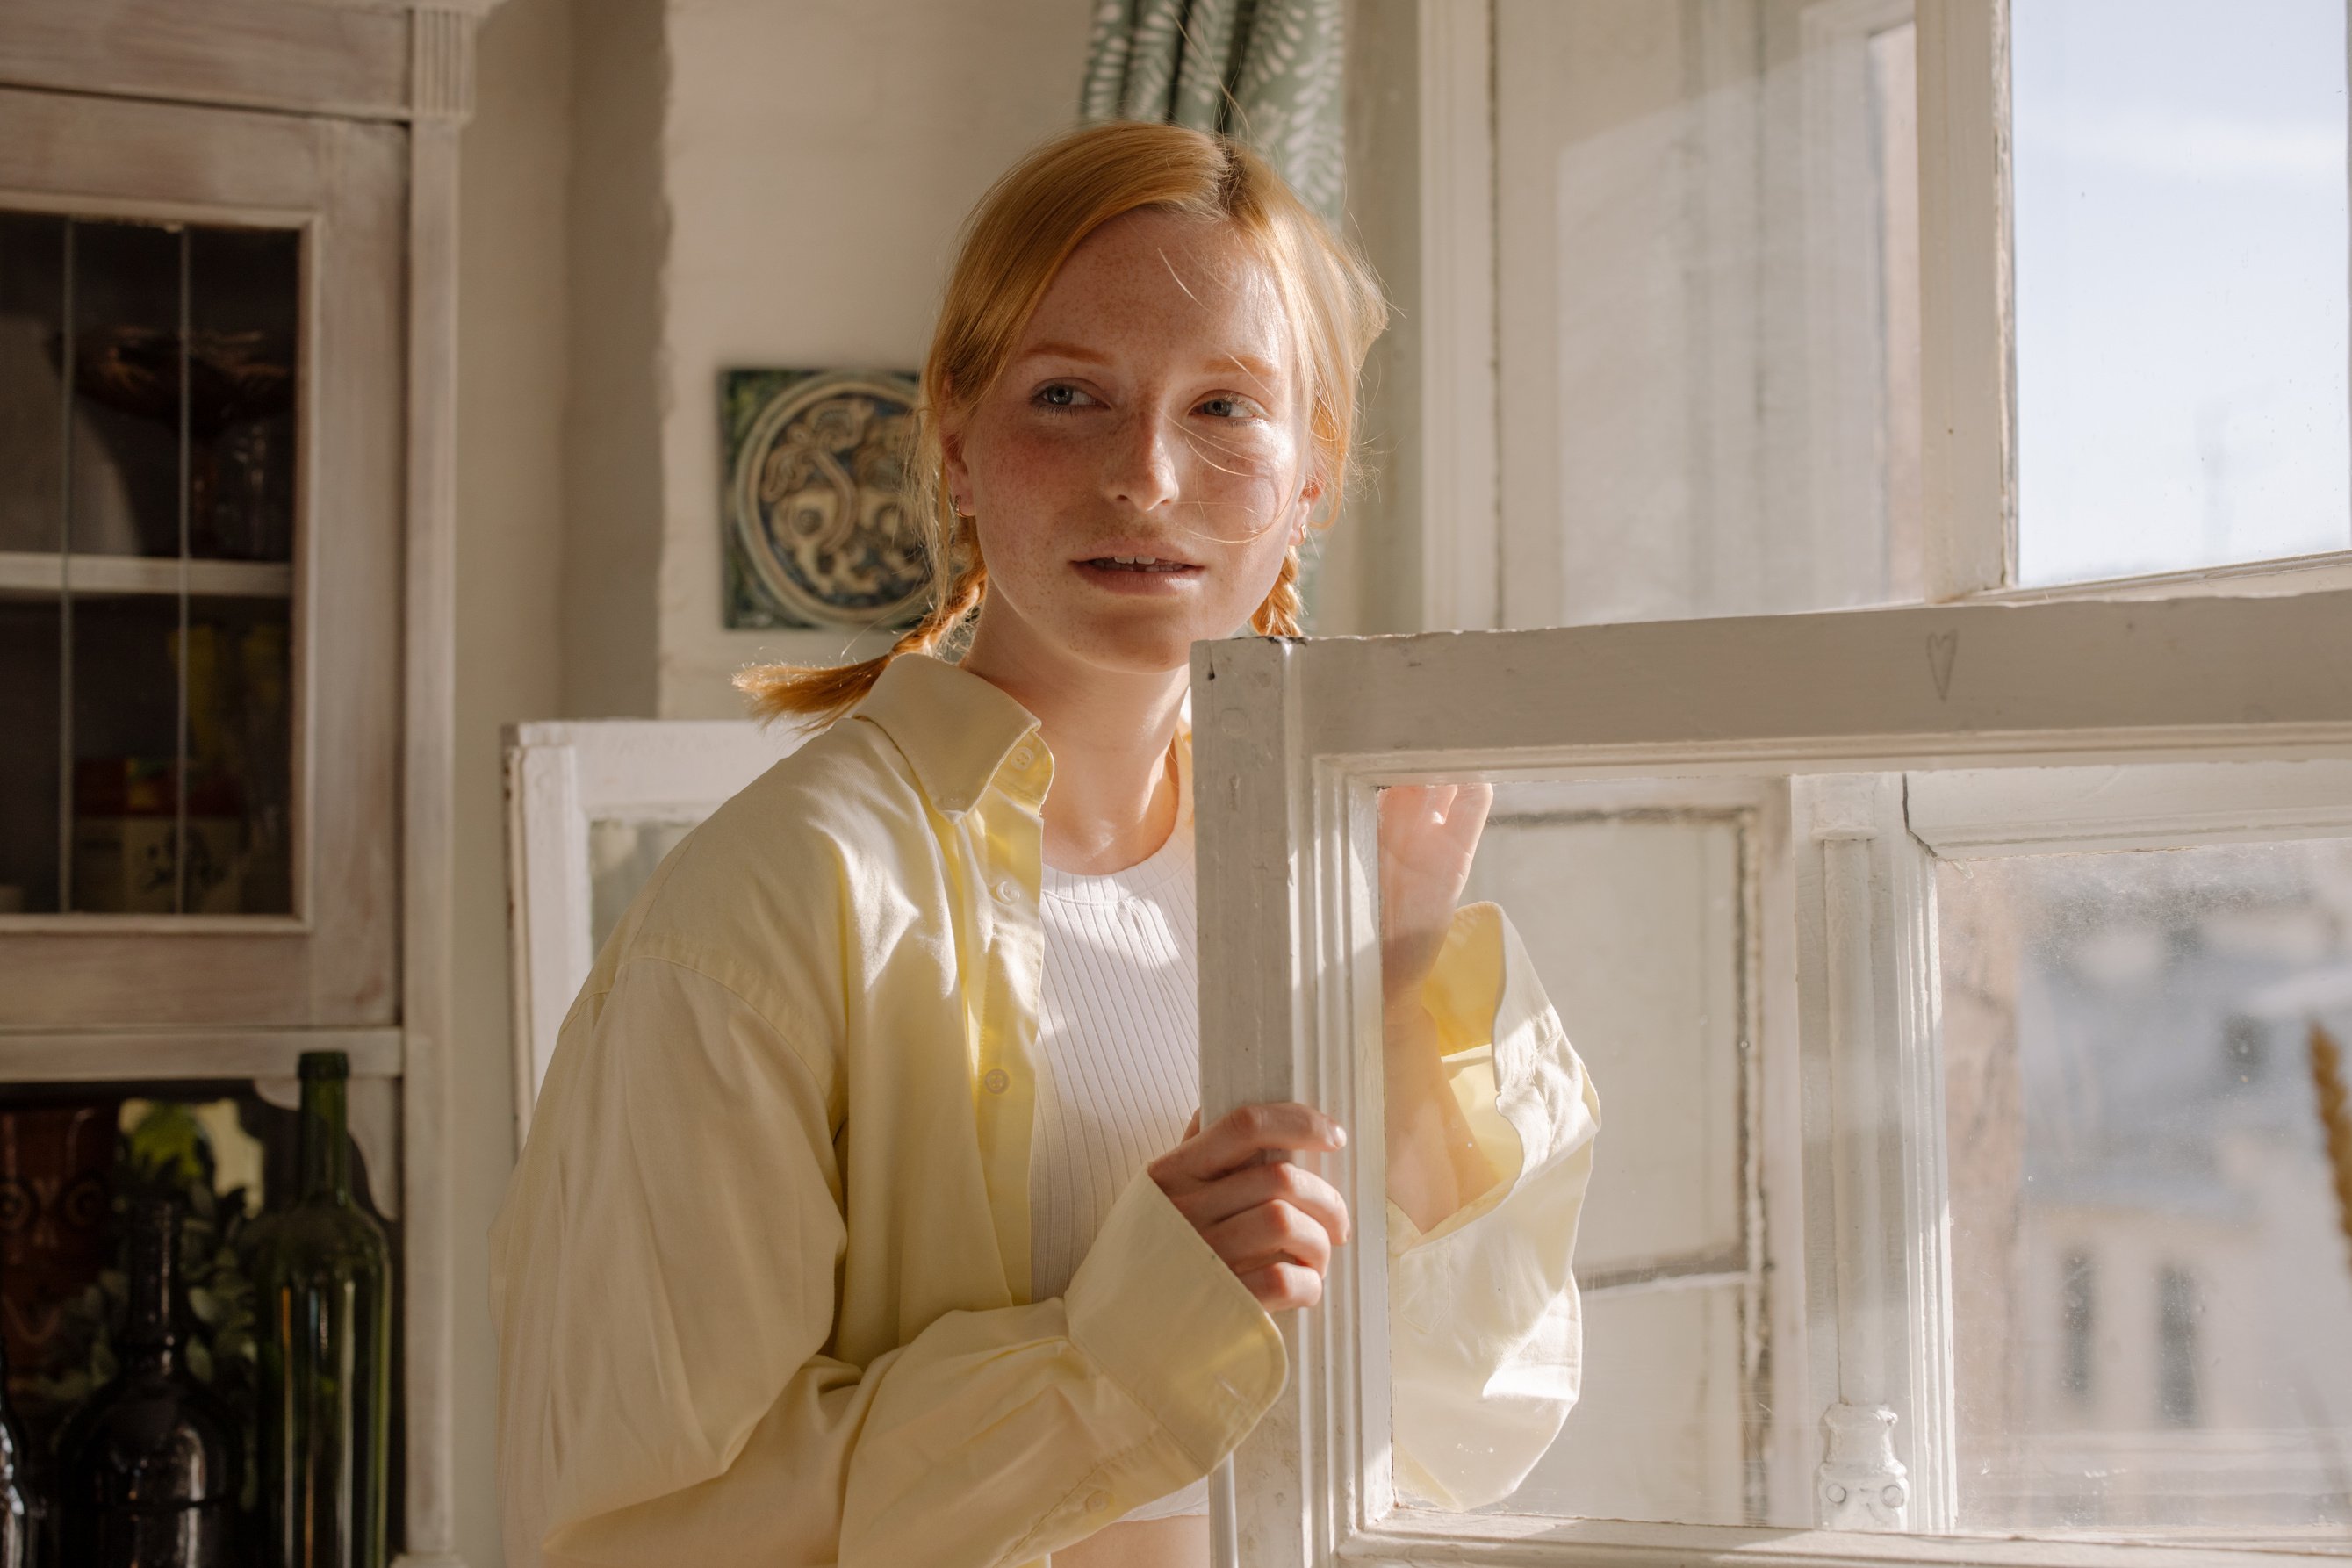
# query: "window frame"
[561,777]
[1296,737]
[1967,332]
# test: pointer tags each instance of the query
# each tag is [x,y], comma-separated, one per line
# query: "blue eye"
[1058,395]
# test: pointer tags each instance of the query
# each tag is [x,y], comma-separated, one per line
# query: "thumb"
[1192,1128]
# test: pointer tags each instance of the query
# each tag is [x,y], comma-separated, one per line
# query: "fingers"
[1243,1136]
[1269,1233]
[1453,815]
[1466,817]
[1402,806]
[1284,1286]
[1276,1180]
[1273,1223]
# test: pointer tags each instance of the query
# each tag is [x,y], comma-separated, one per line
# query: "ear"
[1308,494]
[953,421]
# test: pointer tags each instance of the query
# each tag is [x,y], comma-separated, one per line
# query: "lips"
[1137,556]
[1132,567]
[1139,563]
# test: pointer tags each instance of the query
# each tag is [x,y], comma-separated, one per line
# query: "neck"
[1113,802]
[326,1167]
[150,1341]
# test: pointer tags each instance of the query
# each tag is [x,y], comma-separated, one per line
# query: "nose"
[1141,467]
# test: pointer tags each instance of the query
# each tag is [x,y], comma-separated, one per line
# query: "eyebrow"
[1248,364]
[1067,351]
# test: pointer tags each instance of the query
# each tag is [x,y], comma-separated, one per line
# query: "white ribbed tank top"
[1118,1046]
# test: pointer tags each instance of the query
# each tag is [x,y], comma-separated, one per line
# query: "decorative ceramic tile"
[818,528]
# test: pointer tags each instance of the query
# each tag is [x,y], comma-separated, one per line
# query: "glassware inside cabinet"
[75,1160]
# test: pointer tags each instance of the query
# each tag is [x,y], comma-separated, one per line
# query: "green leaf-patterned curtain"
[1265,72]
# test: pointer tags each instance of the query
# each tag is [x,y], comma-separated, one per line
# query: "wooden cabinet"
[157,627]
[228,265]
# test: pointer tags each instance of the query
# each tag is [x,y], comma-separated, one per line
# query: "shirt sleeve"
[667,1273]
[1486,1331]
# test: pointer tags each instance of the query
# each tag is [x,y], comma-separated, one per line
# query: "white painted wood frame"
[1294,738]
[1967,319]
[1461,539]
[561,777]
[1878,1340]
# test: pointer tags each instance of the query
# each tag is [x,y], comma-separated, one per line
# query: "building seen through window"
[2152,1309]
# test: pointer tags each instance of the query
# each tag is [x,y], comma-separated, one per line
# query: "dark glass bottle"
[19,1510]
[151,1463]
[323,1274]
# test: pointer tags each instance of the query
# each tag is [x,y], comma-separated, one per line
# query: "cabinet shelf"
[131,1055]
[25,572]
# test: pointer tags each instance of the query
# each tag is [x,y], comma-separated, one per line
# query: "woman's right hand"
[1273,1222]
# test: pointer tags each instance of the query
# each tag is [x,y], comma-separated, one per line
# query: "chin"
[1136,650]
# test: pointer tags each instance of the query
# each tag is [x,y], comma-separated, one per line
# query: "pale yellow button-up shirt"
[761,1276]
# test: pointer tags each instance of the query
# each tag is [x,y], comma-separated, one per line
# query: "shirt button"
[998,1080]
[1023,755]
[1096,1502]
[1008,891]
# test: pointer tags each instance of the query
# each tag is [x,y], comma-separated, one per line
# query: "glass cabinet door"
[148,375]
[201,419]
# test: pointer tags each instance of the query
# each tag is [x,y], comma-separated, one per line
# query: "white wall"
[819,157]
[514,351]
[610,275]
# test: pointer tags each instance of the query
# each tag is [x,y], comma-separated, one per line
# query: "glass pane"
[2182,273]
[241,747]
[30,766]
[622,858]
[1708,279]
[126,351]
[2152,1300]
[244,300]
[127,662]
[32,443]
[1633,909]
[125,777]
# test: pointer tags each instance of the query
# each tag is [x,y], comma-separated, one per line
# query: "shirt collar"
[954,729]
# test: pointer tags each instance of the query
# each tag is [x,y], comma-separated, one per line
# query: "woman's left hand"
[1428,836]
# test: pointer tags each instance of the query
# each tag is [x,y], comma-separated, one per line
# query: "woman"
[831,1242]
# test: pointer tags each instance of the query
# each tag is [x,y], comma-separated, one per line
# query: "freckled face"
[1141,466]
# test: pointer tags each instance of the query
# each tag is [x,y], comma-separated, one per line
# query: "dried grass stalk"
[2334,1121]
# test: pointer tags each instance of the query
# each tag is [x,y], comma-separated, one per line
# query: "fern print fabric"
[1266,73]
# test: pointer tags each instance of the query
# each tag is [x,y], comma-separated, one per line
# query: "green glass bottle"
[322,1274]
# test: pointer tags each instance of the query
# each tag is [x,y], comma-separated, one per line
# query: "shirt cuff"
[1522,1089]
[1161,1314]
